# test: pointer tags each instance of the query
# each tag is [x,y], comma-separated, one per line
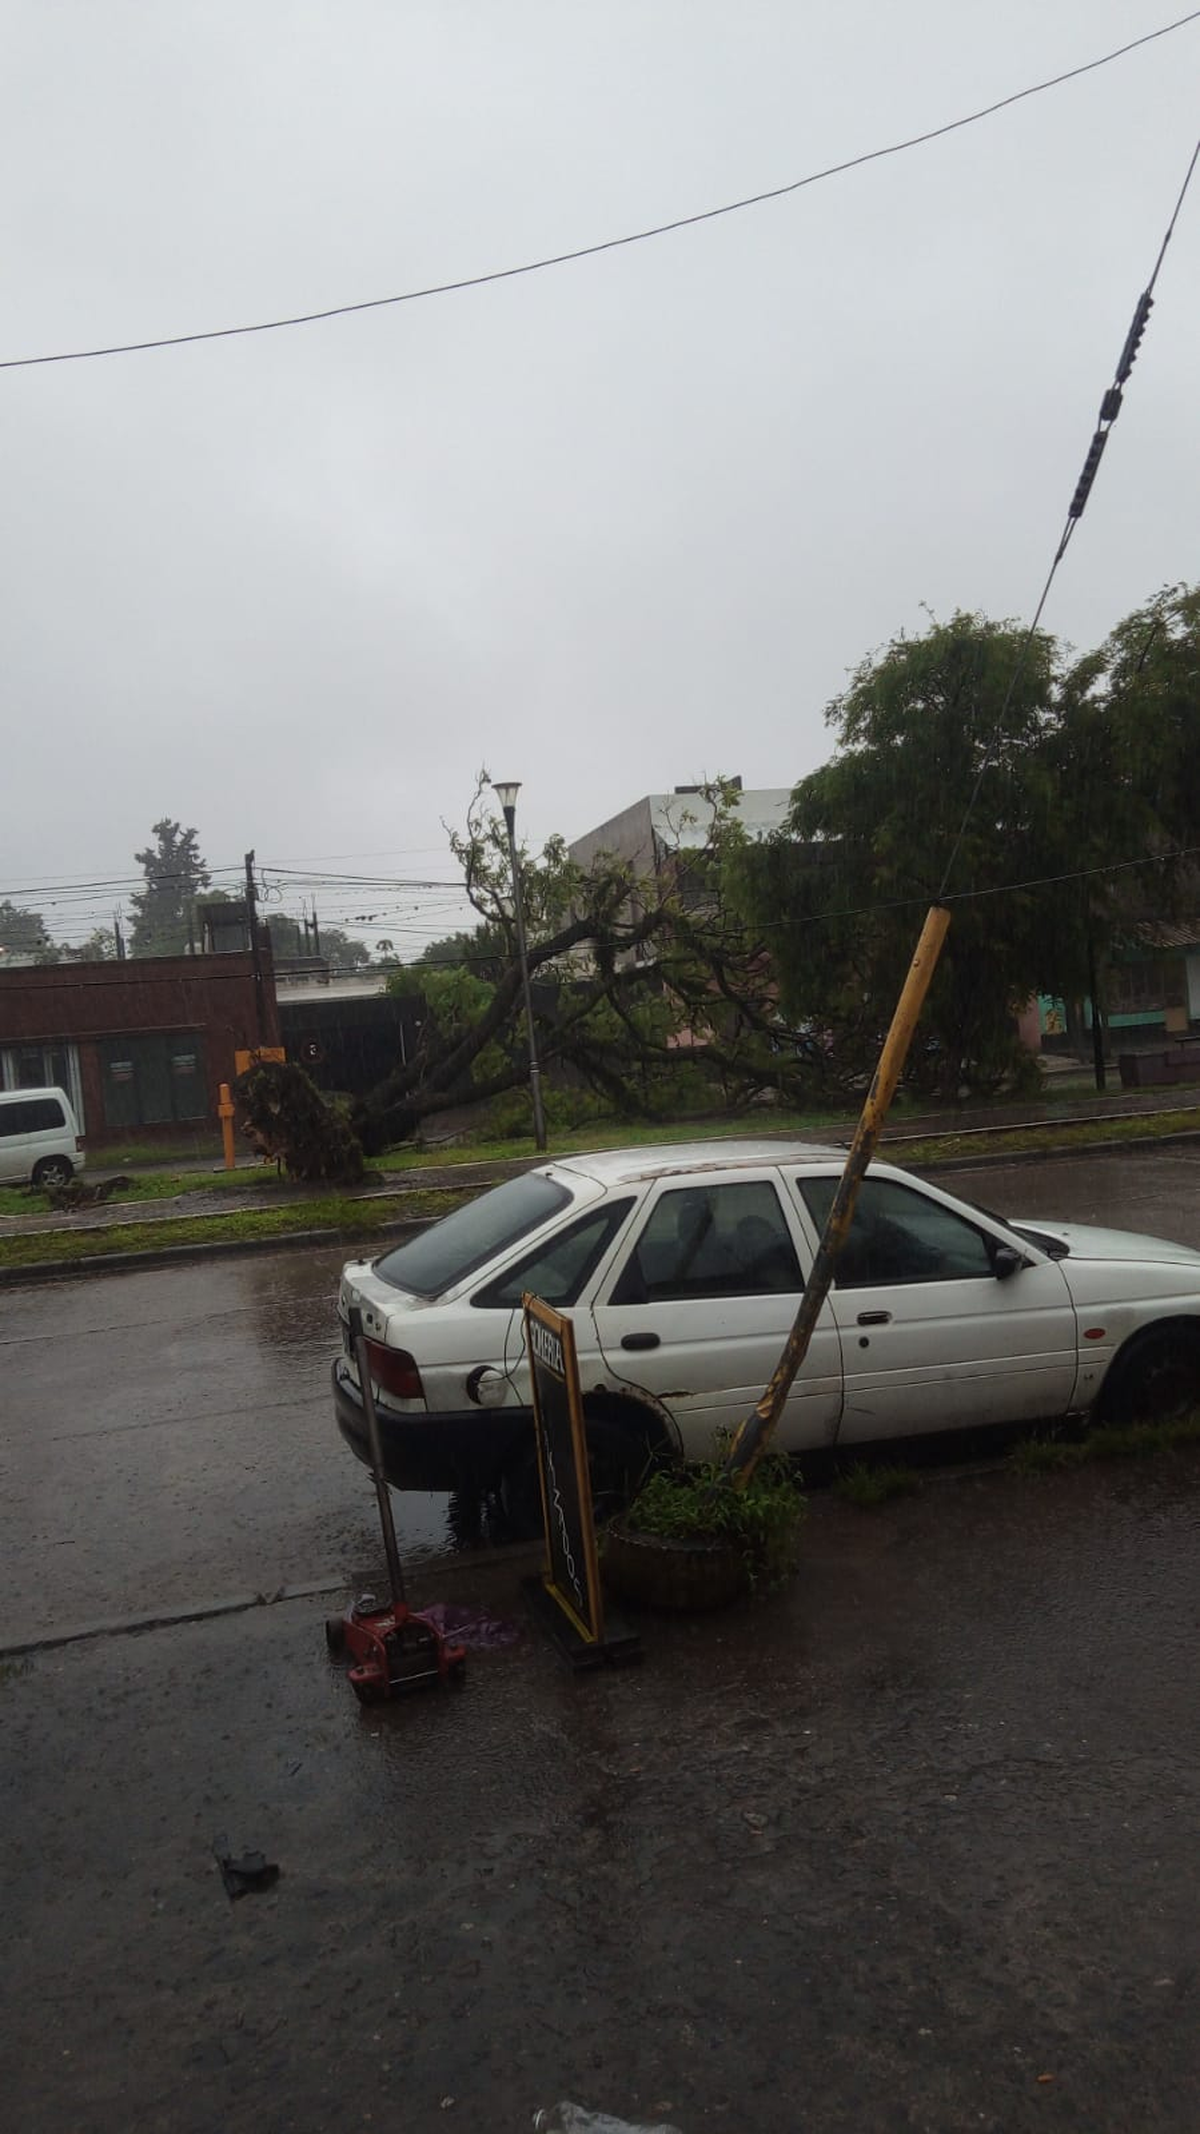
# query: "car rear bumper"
[455,1450]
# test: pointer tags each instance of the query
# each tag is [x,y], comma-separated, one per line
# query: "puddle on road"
[430,1525]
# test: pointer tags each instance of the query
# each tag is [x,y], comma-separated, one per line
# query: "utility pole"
[118,936]
[1098,1073]
[506,794]
[255,947]
[316,931]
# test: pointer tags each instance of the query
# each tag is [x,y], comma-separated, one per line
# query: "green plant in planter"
[701,1504]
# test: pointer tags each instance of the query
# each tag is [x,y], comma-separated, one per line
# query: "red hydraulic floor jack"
[393,1649]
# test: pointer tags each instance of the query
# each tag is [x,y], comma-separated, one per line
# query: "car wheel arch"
[638,1413]
[1181,1328]
[626,1436]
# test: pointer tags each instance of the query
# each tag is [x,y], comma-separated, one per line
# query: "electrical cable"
[993,889]
[608,244]
[1110,408]
[853,911]
[356,881]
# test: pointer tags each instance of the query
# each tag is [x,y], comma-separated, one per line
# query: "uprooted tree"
[641,983]
[285,1116]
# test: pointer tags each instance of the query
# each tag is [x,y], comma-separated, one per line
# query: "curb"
[501,1558]
[998,1159]
[221,1248]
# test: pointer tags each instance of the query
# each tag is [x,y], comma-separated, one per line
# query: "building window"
[1145,988]
[151,1081]
[44,1067]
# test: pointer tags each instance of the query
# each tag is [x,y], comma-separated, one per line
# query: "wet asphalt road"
[878,1854]
[168,1438]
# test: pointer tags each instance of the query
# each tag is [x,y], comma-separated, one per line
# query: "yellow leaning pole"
[754,1433]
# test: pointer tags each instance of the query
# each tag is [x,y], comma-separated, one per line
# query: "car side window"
[557,1270]
[899,1235]
[711,1241]
[33,1115]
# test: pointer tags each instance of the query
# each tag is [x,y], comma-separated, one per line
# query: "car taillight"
[394,1371]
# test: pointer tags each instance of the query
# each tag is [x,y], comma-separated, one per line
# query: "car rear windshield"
[451,1249]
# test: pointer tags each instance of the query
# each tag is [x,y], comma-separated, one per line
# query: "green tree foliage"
[484,950]
[1027,779]
[641,987]
[342,951]
[1128,747]
[164,911]
[23,933]
[98,947]
[841,893]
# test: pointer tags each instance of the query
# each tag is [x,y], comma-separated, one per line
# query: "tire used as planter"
[661,1573]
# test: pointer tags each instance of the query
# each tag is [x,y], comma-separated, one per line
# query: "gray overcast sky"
[606,529]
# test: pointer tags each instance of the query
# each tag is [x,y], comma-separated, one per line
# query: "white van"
[39,1138]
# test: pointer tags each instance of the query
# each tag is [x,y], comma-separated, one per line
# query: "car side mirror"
[1006,1261]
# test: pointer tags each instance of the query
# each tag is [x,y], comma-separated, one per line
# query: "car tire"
[1154,1379]
[53,1171]
[618,1457]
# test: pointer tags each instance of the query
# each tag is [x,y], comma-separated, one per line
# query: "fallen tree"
[647,988]
[286,1117]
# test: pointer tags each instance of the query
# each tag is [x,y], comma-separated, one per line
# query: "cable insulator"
[1083,487]
[1110,406]
[1145,305]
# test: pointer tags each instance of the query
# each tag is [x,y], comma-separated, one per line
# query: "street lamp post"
[506,794]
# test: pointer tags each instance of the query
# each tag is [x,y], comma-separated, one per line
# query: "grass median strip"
[1032,1140]
[340,1212]
[149,1185]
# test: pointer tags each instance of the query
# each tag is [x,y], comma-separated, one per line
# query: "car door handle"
[874,1318]
[639,1341]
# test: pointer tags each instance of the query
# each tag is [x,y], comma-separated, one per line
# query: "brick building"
[142,1046]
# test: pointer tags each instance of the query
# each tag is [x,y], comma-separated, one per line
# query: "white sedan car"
[681,1268]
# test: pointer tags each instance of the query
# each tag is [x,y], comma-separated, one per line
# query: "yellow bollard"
[225,1114]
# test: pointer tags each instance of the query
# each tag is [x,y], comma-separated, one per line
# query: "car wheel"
[1156,1379]
[52,1171]
[617,1460]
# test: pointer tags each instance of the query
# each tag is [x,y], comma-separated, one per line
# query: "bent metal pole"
[754,1433]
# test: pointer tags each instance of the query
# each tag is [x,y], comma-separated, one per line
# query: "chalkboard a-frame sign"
[572,1576]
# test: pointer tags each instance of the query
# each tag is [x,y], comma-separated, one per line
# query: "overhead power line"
[296,875]
[820,918]
[608,244]
[1110,408]
[920,900]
